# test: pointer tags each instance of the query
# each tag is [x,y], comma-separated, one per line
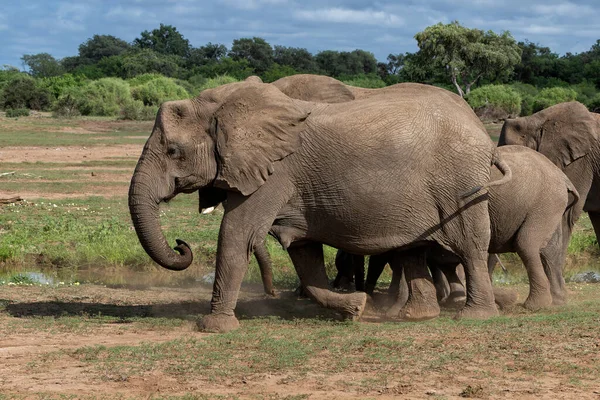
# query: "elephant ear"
[255,126]
[567,133]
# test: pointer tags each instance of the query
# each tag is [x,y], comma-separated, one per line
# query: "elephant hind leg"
[310,266]
[422,301]
[266,271]
[539,286]
[528,248]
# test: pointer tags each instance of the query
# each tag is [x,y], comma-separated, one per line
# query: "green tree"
[468,55]
[256,51]
[238,69]
[148,61]
[297,58]
[210,52]
[100,46]
[42,65]
[164,40]
[536,62]
[346,64]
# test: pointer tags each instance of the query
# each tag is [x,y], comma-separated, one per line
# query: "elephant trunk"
[144,204]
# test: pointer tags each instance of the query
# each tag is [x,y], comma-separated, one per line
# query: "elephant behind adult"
[568,135]
[288,168]
[524,214]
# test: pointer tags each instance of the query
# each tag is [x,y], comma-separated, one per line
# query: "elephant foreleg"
[595,218]
[266,271]
[310,266]
[377,264]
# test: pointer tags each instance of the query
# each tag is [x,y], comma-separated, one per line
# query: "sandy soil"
[69,154]
[36,360]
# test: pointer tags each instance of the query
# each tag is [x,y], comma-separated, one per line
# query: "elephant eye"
[173,151]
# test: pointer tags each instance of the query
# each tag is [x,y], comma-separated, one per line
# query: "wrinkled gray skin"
[568,135]
[524,214]
[211,198]
[289,169]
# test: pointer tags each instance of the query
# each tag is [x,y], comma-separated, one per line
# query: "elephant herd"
[405,173]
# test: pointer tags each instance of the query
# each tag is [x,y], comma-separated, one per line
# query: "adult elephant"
[568,135]
[416,165]
[324,89]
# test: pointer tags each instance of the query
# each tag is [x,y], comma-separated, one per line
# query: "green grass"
[56,139]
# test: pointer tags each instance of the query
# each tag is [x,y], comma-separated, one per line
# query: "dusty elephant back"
[316,88]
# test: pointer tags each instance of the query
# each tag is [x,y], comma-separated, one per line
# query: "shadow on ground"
[287,305]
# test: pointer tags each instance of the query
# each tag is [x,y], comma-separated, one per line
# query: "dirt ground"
[38,352]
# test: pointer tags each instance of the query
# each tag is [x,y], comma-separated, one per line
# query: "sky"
[381,27]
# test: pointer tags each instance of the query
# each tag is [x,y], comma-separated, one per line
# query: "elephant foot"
[301,292]
[394,310]
[455,300]
[343,283]
[505,298]
[559,299]
[477,312]
[218,323]
[537,302]
[369,289]
[419,310]
[354,305]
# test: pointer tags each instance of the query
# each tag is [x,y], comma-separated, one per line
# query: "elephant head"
[564,132]
[226,139]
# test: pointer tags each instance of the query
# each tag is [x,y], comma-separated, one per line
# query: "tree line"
[453,56]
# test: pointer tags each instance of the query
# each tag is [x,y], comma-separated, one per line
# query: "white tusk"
[208,210]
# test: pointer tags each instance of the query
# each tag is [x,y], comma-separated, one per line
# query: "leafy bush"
[277,71]
[365,81]
[68,104]
[594,104]
[17,112]
[57,85]
[23,92]
[551,96]
[218,81]
[495,101]
[137,111]
[527,92]
[586,91]
[157,91]
[143,79]
[104,97]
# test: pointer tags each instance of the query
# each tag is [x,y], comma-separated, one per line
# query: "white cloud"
[71,17]
[127,12]
[563,9]
[252,4]
[345,15]
[543,29]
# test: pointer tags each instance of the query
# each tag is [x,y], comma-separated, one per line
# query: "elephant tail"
[574,198]
[504,170]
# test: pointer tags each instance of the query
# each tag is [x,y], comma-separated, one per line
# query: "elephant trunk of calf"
[144,209]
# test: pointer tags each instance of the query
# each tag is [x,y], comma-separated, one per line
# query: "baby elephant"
[524,214]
